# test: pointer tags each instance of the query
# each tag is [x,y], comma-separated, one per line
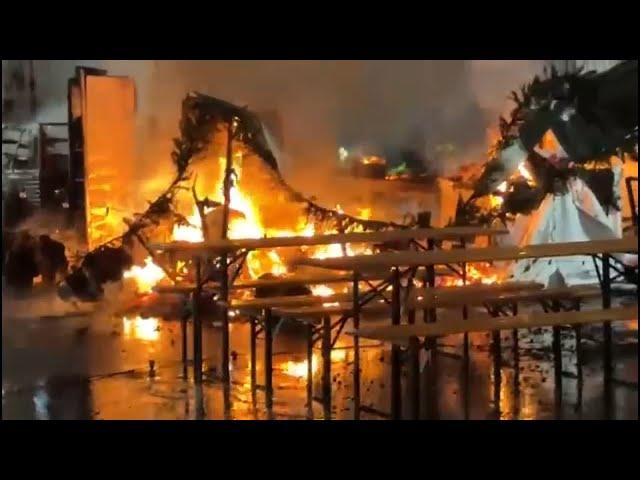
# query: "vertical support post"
[224,294]
[224,286]
[497,366]
[184,348]
[253,358]
[431,344]
[424,221]
[516,353]
[430,280]
[396,366]
[310,371]
[579,359]
[340,228]
[268,358]
[199,402]
[414,378]
[607,334]
[326,366]
[356,346]
[557,367]
[226,184]
[465,311]
[197,325]
[465,342]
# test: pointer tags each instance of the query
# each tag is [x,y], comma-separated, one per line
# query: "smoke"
[380,105]
[376,104]
[493,80]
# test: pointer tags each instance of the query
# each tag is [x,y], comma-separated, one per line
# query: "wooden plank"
[492,288]
[290,301]
[401,333]
[320,278]
[221,246]
[288,281]
[319,311]
[479,297]
[439,257]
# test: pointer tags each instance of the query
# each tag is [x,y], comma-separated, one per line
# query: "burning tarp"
[553,173]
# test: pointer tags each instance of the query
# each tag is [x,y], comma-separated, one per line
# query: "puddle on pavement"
[81,368]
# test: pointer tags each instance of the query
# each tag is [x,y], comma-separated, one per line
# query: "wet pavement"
[106,367]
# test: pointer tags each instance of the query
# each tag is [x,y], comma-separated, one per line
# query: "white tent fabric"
[570,217]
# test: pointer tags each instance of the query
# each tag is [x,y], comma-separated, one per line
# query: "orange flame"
[299,369]
[146,329]
[475,275]
[145,277]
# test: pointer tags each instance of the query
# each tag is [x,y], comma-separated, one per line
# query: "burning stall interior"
[561,167]
[562,128]
[549,179]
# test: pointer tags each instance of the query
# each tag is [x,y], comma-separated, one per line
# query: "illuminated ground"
[81,368]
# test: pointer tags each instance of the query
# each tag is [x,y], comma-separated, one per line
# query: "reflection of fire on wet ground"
[167,396]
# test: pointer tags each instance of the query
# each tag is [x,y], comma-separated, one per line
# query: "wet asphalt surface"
[130,368]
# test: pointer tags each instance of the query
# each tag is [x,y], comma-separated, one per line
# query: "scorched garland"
[562,126]
[202,117]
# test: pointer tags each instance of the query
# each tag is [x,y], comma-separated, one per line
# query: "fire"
[145,277]
[189,233]
[248,223]
[299,369]
[260,262]
[522,168]
[474,276]
[496,201]
[373,160]
[147,329]
[322,290]
[364,213]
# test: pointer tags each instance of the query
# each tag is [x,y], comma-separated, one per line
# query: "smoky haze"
[374,104]
[326,104]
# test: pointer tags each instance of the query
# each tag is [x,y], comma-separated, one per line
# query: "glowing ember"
[374,160]
[339,355]
[328,251]
[522,168]
[322,290]
[495,201]
[145,277]
[189,233]
[364,213]
[299,369]
[147,329]
[475,275]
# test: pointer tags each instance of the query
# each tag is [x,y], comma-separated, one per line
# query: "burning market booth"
[563,168]
[227,186]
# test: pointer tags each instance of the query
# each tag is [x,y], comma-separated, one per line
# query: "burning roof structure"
[555,170]
[564,124]
[226,155]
